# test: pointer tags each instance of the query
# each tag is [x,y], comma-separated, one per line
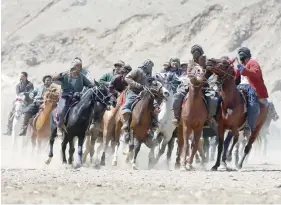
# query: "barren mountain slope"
[43,36]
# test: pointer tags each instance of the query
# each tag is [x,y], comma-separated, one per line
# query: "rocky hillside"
[43,36]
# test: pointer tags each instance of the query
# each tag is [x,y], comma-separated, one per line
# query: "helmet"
[197,48]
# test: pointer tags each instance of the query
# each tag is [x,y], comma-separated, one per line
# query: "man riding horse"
[107,77]
[198,57]
[118,82]
[72,83]
[136,80]
[24,86]
[37,96]
[252,71]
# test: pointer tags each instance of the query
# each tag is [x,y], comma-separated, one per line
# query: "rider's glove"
[240,68]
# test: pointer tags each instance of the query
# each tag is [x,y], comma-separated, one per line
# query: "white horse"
[166,128]
[20,104]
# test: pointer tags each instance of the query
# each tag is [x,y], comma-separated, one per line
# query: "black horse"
[78,119]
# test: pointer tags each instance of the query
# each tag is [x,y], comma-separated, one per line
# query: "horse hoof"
[102,163]
[48,160]
[134,166]
[177,166]
[214,168]
[78,165]
[114,163]
[239,166]
[183,169]
[189,167]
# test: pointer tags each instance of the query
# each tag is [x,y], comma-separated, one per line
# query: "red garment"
[254,75]
[237,74]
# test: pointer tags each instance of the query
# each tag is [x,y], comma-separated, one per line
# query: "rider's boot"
[125,127]
[178,99]
[26,118]
[154,123]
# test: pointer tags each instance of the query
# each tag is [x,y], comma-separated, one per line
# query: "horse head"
[157,91]
[103,95]
[52,95]
[196,73]
[221,67]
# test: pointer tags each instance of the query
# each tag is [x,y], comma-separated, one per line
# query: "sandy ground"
[27,179]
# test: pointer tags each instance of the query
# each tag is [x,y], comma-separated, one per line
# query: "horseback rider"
[72,83]
[252,71]
[118,82]
[184,67]
[24,86]
[136,80]
[166,67]
[37,95]
[175,66]
[84,71]
[107,77]
[198,57]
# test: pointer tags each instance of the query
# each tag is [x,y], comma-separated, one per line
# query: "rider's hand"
[240,68]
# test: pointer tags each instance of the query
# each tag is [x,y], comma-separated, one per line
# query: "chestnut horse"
[194,115]
[40,125]
[231,113]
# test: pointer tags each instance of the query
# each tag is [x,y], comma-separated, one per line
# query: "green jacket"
[106,78]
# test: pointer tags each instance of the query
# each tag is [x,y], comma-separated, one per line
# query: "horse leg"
[71,151]
[206,147]
[213,147]
[97,148]
[51,142]
[63,147]
[170,150]
[201,150]
[179,147]
[106,140]
[236,152]
[185,135]
[151,155]
[92,148]
[226,145]
[80,150]
[249,145]
[195,143]
[221,131]
[162,150]
[88,148]
[116,146]
[136,151]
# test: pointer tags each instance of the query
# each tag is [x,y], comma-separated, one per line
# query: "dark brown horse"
[141,121]
[231,114]
[194,115]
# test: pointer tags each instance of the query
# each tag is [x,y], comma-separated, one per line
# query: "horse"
[141,121]
[110,128]
[94,133]
[191,120]
[231,113]
[40,124]
[77,121]
[166,128]
[272,115]
[20,104]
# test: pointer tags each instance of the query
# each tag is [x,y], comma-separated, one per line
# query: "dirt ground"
[27,181]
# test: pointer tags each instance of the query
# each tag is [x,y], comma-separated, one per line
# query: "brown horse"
[40,125]
[141,121]
[231,113]
[194,115]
